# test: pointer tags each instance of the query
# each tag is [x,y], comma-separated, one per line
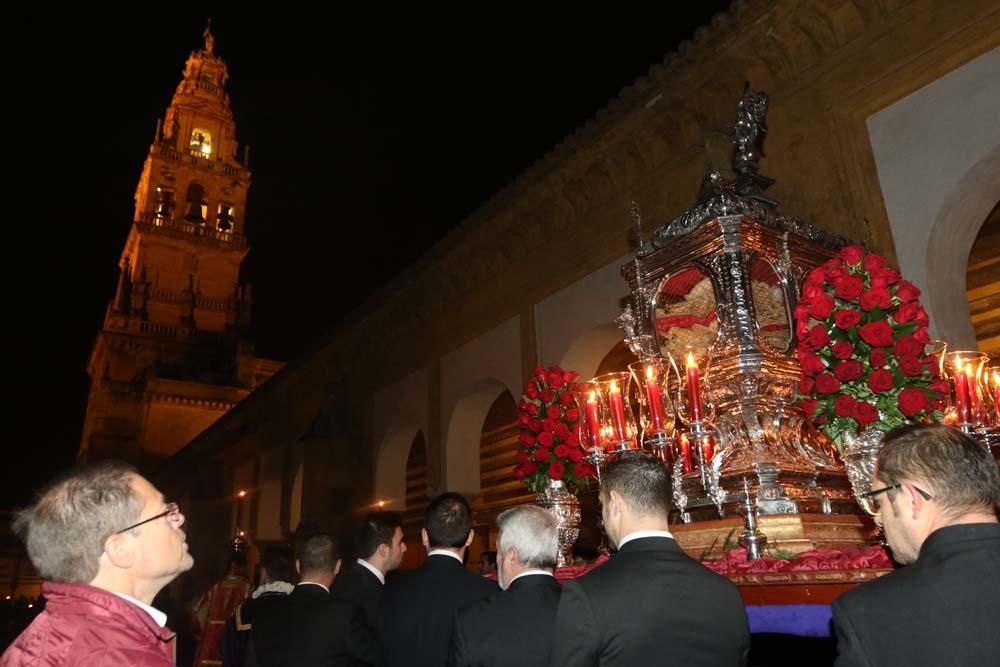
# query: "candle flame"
[690,360]
[592,397]
[968,368]
[241,495]
[614,387]
[650,374]
[996,378]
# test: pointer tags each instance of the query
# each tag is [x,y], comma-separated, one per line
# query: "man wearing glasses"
[106,542]
[936,494]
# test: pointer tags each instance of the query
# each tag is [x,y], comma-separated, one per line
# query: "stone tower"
[173,353]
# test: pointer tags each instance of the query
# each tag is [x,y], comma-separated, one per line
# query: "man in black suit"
[312,628]
[275,578]
[937,492]
[418,607]
[381,547]
[650,604]
[514,627]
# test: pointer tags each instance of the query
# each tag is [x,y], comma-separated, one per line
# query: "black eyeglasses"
[884,489]
[172,512]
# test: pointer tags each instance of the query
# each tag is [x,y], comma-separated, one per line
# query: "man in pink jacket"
[106,542]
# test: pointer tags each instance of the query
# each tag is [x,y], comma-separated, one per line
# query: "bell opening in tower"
[201,142]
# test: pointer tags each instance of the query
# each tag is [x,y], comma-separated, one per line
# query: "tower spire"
[209,38]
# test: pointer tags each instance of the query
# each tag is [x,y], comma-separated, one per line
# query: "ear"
[298,566]
[120,551]
[426,540]
[383,550]
[336,568]
[917,502]
[469,540]
[513,555]
[615,502]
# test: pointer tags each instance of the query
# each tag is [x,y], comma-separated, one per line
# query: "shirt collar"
[154,613]
[371,568]
[643,533]
[444,552]
[313,583]
[529,573]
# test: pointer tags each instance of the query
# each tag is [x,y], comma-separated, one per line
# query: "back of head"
[377,528]
[641,480]
[65,530]
[960,473]
[277,562]
[236,563]
[318,554]
[533,532]
[448,520]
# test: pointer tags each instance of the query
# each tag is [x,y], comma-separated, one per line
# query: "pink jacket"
[87,626]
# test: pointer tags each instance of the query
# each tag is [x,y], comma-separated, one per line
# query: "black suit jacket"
[943,609]
[360,587]
[651,604]
[512,627]
[239,629]
[313,629]
[418,610]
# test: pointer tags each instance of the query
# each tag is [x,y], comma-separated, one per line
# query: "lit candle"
[996,394]
[694,391]
[618,412]
[239,510]
[655,402]
[962,395]
[707,449]
[592,422]
[974,401]
[686,464]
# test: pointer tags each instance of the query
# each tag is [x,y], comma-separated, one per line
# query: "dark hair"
[378,528]
[318,553]
[448,520]
[960,472]
[65,530]
[237,559]
[277,561]
[641,479]
[490,557]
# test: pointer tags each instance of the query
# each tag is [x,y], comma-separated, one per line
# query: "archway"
[390,464]
[982,282]
[465,427]
[587,352]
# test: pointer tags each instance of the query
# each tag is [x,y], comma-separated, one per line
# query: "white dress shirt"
[371,568]
[643,533]
[444,552]
[313,583]
[158,616]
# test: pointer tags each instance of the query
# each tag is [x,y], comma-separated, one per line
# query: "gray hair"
[532,530]
[73,516]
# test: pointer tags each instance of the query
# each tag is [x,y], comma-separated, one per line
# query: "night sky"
[373,131]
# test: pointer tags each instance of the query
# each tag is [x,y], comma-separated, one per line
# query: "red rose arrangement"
[861,333]
[548,446]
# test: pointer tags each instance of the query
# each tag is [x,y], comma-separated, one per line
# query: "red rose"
[912,401]
[940,386]
[532,389]
[876,334]
[541,454]
[846,318]
[547,396]
[801,312]
[848,371]
[561,451]
[936,406]
[821,307]
[572,440]
[556,471]
[523,419]
[849,288]
[826,383]
[527,439]
[906,312]
[921,335]
[535,425]
[532,409]
[865,413]
[907,345]
[569,376]
[575,454]
[556,377]
[921,318]
[811,362]
[545,440]
[541,373]
[806,384]
[910,365]
[818,337]
[876,296]
[572,415]
[873,262]
[522,457]
[809,407]
[549,424]
[811,290]
[566,399]
[844,407]
[817,275]
[518,473]
[562,431]
[907,291]
[880,380]
[884,277]
[554,412]
[530,468]
[843,349]
[878,358]
[851,254]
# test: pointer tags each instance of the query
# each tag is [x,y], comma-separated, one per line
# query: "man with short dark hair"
[275,585]
[936,493]
[418,607]
[488,562]
[515,626]
[106,542]
[650,604]
[311,627]
[381,549]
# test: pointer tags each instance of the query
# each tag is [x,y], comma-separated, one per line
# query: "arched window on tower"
[224,217]
[201,142]
[164,205]
[197,207]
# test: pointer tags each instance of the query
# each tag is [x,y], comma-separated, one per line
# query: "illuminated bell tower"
[172,355]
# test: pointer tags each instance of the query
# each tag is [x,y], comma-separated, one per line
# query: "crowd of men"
[106,541]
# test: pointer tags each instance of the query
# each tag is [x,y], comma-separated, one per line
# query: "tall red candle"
[592,422]
[962,395]
[655,401]
[617,412]
[707,449]
[693,388]
[686,463]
